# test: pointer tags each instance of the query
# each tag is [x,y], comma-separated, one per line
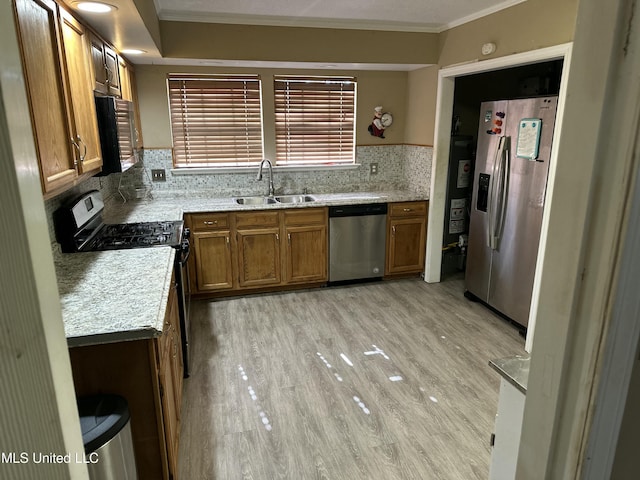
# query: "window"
[215,120]
[315,120]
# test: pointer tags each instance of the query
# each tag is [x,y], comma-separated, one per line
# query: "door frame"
[440,164]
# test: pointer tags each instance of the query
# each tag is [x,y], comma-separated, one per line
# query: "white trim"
[253,168]
[444,110]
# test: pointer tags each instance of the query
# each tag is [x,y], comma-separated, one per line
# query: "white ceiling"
[394,15]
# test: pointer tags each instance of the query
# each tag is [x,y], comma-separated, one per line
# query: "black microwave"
[116,124]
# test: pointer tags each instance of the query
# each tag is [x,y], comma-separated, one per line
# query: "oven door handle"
[184,257]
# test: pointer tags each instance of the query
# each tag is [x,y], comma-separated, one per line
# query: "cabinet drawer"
[209,221]
[305,216]
[257,219]
[407,209]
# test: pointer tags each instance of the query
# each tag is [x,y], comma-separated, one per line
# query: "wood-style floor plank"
[385,380]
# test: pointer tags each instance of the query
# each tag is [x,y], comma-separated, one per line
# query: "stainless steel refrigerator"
[510,180]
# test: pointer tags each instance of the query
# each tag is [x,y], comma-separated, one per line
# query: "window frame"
[199,152]
[291,143]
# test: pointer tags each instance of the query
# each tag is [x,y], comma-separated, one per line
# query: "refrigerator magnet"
[529,138]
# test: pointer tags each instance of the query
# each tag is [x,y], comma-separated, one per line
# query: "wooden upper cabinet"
[78,62]
[42,62]
[106,68]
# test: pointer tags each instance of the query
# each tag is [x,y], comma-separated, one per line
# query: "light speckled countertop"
[165,208]
[115,295]
[513,369]
[121,295]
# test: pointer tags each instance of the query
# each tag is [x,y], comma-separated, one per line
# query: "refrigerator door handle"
[505,168]
[491,206]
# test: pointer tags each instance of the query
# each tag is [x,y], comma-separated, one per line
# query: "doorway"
[444,122]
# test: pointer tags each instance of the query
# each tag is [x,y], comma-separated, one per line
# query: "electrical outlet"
[158,175]
[373,168]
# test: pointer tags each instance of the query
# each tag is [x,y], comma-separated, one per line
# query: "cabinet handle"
[277,237]
[107,72]
[407,209]
[83,155]
[289,238]
[227,237]
[393,230]
[77,147]
[209,222]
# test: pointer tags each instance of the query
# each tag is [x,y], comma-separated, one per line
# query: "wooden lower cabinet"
[148,374]
[258,254]
[305,252]
[237,251]
[212,264]
[406,238]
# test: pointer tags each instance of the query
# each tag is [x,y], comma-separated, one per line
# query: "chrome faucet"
[271,189]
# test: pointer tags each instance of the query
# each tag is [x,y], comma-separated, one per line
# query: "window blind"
[215,121]
[315,120]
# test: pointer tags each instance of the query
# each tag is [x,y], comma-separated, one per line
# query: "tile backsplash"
[400,167]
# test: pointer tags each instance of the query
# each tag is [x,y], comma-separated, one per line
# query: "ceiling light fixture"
[133,51]
[95,7]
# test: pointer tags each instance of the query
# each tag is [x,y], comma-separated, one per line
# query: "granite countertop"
[114,295]
[121,295]
[173,208]
[513,369]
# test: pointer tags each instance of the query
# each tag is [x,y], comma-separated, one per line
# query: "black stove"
[136,235]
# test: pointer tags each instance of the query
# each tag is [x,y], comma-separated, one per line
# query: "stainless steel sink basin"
[295,198]
[254,200]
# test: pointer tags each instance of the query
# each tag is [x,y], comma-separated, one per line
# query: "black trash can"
[106,434]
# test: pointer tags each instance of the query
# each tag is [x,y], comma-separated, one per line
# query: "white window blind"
[315,120]
[215,121]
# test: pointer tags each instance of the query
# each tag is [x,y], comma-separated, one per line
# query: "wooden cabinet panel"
[40,47]
[306,245]
[208,221]
[258,255]
[257,219]
[406,238]
[306,254]
[106,68]
[213,261]
[408,209]
[78,63]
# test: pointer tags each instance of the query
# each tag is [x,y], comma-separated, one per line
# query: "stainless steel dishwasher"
[357,239]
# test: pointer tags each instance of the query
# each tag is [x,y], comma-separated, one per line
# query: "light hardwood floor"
[286,386]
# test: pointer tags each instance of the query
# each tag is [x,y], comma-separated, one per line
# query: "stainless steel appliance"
[512,163]
[116,124]
[357,239]
[79,228]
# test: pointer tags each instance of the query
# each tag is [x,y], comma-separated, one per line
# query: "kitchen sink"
[254,200]
[295,198]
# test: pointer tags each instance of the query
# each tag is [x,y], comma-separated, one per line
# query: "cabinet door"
[99,67]
[83,107]
[258,252]
[40,46]
[169,411]
[306,254]
[406,237]
[213,266]
[113,71]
